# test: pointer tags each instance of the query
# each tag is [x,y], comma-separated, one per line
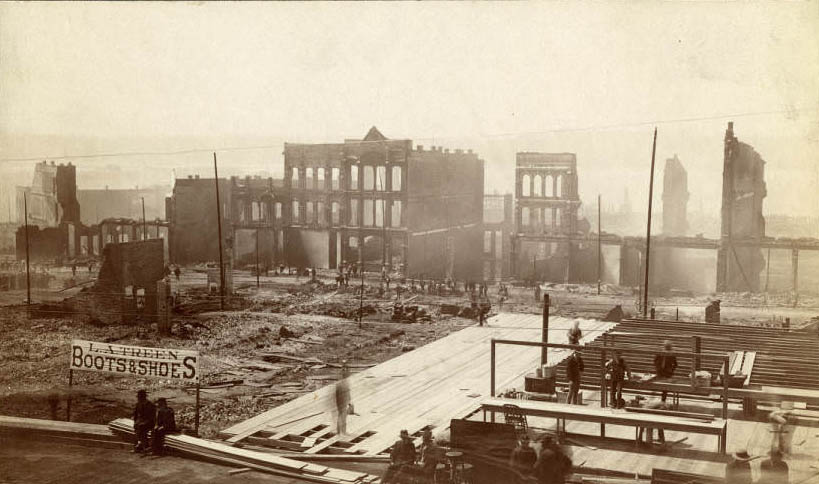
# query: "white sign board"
[165,363]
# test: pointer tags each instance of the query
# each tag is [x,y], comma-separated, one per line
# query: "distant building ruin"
[498,229]
[251,207]
[383,203]
[743,191]
[675,198]
[546,214]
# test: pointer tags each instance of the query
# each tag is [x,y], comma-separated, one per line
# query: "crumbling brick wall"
[135,265]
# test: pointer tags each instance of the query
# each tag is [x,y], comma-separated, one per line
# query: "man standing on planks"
[343,405]
[618,370]
[574,372]
[144,420]
[665,364]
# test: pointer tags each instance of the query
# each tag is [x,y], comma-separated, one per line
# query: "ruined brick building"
[743,191]
[251,208]
[382,202]
[546,216]
[498,229]
[675,198]
[53,213]
[56,232]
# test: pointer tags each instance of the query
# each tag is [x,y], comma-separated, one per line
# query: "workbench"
[563,411]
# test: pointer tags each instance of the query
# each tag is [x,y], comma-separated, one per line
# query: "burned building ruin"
[498,229]
[252,210]
[743,190]
[546,219]
[383,203]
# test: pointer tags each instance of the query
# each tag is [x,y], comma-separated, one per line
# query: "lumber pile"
[59,431]
[250,459]
[770,356]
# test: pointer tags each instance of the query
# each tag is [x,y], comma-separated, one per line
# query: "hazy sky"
[589,78]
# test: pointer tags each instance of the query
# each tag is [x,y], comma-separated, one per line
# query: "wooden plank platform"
[426,387]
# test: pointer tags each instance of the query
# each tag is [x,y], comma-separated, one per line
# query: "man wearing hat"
[165,424]
[665,363]
[738,470]
[523,457]
[144,419]
[574,371]
[401,455]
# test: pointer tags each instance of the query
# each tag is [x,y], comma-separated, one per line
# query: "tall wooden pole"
[599,247]
[219,226]
[257,257]
[648,225]
[28,274]
[144,225]
[544,334]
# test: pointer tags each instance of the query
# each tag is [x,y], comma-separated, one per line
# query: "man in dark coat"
[523,457]
[402,456]
[574,371]
[165,424]
[665,364]
[144,420]
[618,370]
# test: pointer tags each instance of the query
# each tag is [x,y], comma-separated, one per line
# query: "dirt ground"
[281,340]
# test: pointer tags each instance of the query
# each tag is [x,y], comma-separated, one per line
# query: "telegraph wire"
[430,138]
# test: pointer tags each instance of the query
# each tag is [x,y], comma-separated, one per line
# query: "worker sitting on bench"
[665,364]
[402,458]
[618,369]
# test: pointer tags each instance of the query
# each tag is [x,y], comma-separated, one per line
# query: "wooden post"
[492,373]
[599,246]
[196,414]
[28,275]
[257,257]
[648,225]
[697,348]
[221,251]
[68,400]
[725,375]
[795,270]
[544,351]
[492,368]
[144,226]
[603,381]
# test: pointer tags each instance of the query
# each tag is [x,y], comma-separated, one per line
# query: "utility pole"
[599,246]
[144,226]
[219,227]
[648,225]
[28,275]
[257,257]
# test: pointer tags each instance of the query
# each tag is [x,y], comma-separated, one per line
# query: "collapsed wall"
[126,289]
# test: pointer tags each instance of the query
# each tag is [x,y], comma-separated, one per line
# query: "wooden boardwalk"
[426,387]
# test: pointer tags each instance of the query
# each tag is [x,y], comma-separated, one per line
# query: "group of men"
[158,420]
[550,466]
[410,465]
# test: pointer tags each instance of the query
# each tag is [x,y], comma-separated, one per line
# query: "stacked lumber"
[250,459]
[59,431]
[780,357]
